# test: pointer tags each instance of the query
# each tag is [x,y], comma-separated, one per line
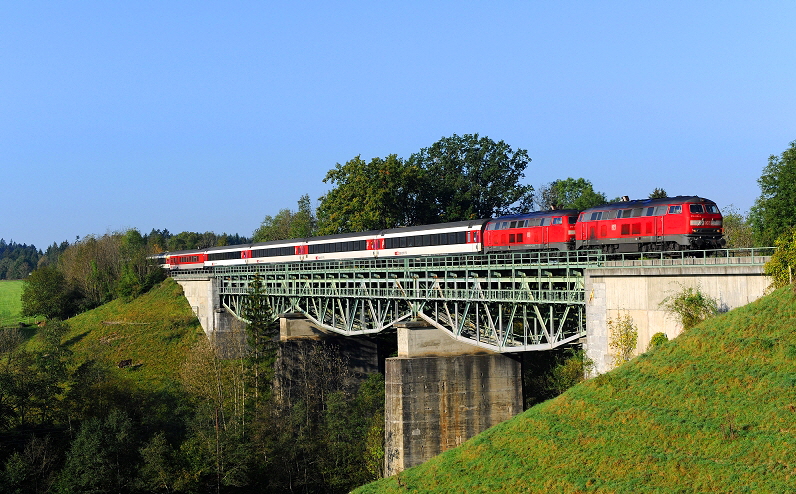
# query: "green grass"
[713,410]
[156,331]
[11,305]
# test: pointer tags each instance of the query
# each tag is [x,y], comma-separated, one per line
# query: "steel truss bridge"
[508,302]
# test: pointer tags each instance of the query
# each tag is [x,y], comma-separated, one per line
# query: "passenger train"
[672,223]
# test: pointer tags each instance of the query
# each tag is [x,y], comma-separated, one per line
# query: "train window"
[519,238]
[609,215]
[511,238]
[557,221]
[596,216]
[461,237]
[650,211]
[513,224]
[573,220]
[675,209]
[525,223]
[696,208]
[402,242]
[637,212]
[711,208]
[504,225]
[543,222]
[660,210]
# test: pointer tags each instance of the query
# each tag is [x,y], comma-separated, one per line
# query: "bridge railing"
[755,256]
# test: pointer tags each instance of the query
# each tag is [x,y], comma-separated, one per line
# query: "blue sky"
[207,116]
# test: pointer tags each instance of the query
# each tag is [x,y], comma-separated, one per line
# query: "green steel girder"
[506,303]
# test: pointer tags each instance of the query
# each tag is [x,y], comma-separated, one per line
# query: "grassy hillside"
[10,304]
[155,331]
[713,410]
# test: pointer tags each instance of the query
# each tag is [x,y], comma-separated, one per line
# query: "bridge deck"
[502,302]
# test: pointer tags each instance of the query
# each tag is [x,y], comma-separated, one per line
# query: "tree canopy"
[456,178]
[570,193]
[658,193]
[774,212]
[469,177]
[287,223]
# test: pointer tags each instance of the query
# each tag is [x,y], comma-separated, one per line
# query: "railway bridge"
[462,320]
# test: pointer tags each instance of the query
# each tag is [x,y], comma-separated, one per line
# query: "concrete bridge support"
[639,292]
[226,333]
[439,393]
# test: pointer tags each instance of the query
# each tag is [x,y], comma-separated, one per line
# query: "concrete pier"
[435,403]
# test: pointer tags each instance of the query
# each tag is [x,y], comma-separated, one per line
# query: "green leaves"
[774,211]
[457,178]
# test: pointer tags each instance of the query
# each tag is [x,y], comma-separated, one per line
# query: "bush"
[658,339]
[780,267]
[690,306]
[623,337]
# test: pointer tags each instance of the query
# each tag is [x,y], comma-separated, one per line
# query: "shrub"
[690,306]
[623,337]
[780,267]
[658,339]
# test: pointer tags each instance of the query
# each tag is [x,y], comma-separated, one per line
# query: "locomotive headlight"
[696,222]
[716,222]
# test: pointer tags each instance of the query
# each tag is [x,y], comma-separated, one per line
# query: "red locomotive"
[672,223]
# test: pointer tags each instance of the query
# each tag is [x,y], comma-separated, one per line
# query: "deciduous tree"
[469,177]
[46,293]
[774,212]
[382,193]
[570,193]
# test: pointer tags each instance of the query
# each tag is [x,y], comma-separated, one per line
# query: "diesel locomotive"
[671,223]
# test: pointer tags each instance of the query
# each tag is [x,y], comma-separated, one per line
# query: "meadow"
[10,304]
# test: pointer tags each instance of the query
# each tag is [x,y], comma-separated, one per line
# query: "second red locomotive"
[671,223]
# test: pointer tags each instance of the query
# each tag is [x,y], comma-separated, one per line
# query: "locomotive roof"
[638,203]
[538,214]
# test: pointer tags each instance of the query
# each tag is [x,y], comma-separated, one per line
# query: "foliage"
[780,268]
[456,178]
[774,212]
[690,306]
[622,338]
[382,193]
[712,410]
[658,193]
[18,260]
[46,293]
[102,457]
[288,224]
[469,177]
[569,371]
[262,332]
[179,418]
[737,228]
[658,339]
[569,193]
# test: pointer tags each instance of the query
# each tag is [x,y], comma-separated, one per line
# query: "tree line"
[72,278]
[460,178]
